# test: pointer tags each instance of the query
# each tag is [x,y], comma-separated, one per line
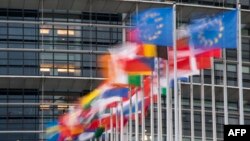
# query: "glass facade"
[68,45]
[57,42]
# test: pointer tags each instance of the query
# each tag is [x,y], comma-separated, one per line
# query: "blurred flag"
[52,131]
[125,58]
[99,131]
[116,92]
[151,50]
[86,136]
[162,75]
[155,26]
[138,65]
[215,31]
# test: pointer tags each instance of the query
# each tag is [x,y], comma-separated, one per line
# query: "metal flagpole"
[152,108]
[180,112]
[106,136]
[116,125]
[121,122]
[176,114]
[130,115]
[225,88]
[213,101]
[136,118]
[203,124]
[241,106]
[159,109]
[111,125]
[100,122]
[142,110]
[168,106]
[192,107]
[126,133]
[136,96]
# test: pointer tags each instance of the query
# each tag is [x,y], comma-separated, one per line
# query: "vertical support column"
[159,105]
[121,113]
[225,88]
[241,104]
[152,108]
[213,101]
[43,78]
[136,97]
[123,29]
[136,118]
[176,114]
[111,125]
[116,125]
[130,115]
[180,108]
[42,103]
[192,107]
[130,95]
[121,122]
[169,120]
[142,111]
[203,122]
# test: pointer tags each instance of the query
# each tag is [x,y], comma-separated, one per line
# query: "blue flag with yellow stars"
[155,26]
[215,31]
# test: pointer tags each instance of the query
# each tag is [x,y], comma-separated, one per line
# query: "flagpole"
[152,108]
[241,106]
[213,101]
[126,131]
[121,122]
[159,110]
[180,112]
[142,110]
[168,105]
[192,107]
[111,124]
[225,98]
[106,136]
[136,118]
[203,122]
[123,40]
[130,115]
[116,125]
[175,77]
[136,96]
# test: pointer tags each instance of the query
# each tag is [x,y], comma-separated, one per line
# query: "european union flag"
[215,31]
[155,26]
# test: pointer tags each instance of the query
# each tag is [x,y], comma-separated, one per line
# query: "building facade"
[48,59]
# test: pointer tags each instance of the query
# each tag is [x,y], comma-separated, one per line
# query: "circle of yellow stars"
[213,24]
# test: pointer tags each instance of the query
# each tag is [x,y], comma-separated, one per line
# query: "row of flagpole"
[177,101]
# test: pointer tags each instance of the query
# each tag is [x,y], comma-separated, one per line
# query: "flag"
[52,131]
[86,100]
[125,58]
[134,80]
[138,65]
[116,92]
[155,26]
[86,136]
[162,77]
[151,50]
[99,131]
[215,31]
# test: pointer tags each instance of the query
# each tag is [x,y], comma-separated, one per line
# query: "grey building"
[48,59]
